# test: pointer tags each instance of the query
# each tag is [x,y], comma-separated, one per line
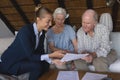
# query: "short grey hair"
[95,16]
[59,11]
[91,11]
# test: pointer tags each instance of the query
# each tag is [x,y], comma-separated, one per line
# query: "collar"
[36,30]
[87,33]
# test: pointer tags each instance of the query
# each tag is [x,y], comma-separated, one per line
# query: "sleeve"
[80,41]
[46,58]
[26,42]
[104,48]
[71,32]
[49,36]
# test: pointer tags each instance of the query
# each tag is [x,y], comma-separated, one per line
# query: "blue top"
[64,39]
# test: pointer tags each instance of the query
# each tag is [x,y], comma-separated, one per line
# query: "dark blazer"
[23,48]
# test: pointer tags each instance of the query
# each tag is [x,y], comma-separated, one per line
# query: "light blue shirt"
[45,56]
[62,40]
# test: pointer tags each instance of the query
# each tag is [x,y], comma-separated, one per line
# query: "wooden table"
[52,75]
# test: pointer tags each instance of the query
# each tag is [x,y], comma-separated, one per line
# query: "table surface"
[52,75]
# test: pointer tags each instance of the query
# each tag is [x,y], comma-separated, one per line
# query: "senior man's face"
[88,23]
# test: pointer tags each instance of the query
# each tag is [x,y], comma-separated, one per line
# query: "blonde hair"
[59,11]
[40,11]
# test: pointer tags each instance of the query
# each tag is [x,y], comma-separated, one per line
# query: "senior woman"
[61,36]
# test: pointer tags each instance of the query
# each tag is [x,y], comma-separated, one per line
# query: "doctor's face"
[44,22]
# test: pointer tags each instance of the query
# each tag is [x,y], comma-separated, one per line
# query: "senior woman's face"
[59,19]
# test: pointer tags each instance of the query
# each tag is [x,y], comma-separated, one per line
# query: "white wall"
[4,31]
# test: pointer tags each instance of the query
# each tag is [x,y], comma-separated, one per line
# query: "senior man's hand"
[88,58]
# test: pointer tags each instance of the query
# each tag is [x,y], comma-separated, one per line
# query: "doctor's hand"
[56,54]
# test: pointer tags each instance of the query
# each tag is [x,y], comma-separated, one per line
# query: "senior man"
[93,39]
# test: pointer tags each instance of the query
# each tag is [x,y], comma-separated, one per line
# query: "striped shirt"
[99,43]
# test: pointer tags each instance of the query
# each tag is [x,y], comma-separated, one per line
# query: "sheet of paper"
[68,75]
[93,76]
[72,56]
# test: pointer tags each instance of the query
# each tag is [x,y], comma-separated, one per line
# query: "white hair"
[91,12]
[59,11]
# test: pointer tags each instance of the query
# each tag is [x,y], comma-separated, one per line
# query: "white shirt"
[99,43]
[0,59]
[36,34]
